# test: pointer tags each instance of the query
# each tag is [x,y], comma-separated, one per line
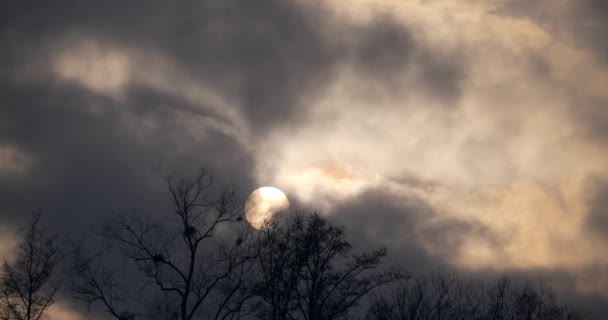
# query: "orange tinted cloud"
[509,153]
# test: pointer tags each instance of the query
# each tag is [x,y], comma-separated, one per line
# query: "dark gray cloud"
[384,51]
[590,22]
[594,118]
[386,48]
[582,22]
[269,55]
[375,219]
[266,54]
[597,220]
[85,165]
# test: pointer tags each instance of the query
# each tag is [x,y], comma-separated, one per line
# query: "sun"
[262,204]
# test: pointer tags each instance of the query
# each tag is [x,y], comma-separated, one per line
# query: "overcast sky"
[468,135]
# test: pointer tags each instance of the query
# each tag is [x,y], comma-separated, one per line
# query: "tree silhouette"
[308,272]
[448,297]
[29,284]
[92,280]
[199,262]
[192,271]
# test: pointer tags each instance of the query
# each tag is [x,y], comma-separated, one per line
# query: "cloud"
[508,158]
[103,71]
[62,311]
[12,161]
[407,225]
[581,23]
[597,214]
[8,243]
[112,71]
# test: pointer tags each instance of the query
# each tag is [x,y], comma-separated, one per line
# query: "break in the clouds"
[467,134]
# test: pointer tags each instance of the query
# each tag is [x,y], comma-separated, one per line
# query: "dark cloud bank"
[270,55]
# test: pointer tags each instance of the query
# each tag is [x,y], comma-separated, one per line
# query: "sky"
[468,135]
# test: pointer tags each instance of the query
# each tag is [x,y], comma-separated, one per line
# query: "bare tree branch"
[29,284]
[180,258]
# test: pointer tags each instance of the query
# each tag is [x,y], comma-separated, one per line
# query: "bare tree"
[309,273]
[194,270]
[443,296]
[200,263]
[93,281]
[29,284]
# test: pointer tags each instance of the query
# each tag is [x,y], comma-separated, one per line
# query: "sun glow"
[262,204]
[272,193]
